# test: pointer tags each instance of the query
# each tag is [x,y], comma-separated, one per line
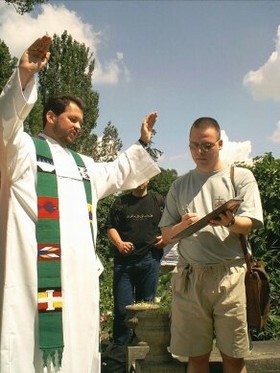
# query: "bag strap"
[242,237]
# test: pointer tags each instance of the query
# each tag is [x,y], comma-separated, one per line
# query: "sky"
[183,59]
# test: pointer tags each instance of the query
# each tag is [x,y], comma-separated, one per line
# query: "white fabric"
[18,253]
[170,255]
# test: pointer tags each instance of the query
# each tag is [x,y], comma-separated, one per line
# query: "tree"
[162,182]
[24,6]
[108,146]
[267,173]
[7,64]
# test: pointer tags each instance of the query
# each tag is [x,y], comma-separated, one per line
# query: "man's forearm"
[240,225]
[114,236]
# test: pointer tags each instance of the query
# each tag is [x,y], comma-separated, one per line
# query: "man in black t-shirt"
[132,227]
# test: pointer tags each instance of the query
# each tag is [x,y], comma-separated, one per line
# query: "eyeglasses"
[204,147]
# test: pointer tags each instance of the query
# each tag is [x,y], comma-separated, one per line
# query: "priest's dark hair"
[58,104]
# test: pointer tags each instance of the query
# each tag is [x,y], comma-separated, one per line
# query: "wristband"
[232,222]
[143,143]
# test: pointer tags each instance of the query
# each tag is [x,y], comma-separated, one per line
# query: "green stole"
[50,304]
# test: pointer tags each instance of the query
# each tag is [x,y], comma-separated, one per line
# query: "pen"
[185,209]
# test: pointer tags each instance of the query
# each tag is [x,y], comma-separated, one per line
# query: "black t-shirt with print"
[136,219]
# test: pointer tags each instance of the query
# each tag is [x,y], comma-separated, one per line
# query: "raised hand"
[34,58]
[147,127]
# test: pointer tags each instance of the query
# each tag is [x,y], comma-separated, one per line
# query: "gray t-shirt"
[200,193]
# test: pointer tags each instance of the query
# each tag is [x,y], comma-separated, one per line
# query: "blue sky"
[183,59]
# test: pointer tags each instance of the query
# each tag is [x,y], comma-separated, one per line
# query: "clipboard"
[232,205]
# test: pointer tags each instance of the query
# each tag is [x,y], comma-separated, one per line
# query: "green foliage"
[104,247]
[105,252]
[7,64]
[164,291]
[106,297]
[108,147]
[162,182]
[267,173]
[24,6]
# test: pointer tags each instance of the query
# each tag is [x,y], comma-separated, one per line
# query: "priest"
[49,268]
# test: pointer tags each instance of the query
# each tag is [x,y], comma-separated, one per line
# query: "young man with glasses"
[209,298]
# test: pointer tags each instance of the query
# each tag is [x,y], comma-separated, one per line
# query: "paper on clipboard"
[231,205]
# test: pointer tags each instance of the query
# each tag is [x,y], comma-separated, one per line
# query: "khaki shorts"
[209,302]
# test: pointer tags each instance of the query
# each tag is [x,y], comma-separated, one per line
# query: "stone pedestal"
[152,329]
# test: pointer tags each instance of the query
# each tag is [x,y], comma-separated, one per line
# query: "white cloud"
[233,151]
[171,158]
[264,83]
[109,72]
[276,134]
[18,32]
[178,157]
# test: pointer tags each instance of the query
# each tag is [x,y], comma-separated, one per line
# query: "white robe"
[18,249]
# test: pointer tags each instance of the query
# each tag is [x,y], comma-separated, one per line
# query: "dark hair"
[206,122]
[58,104]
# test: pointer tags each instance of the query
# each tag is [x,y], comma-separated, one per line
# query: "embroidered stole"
[50,297]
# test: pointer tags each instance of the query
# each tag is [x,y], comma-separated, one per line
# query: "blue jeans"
[134,281]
